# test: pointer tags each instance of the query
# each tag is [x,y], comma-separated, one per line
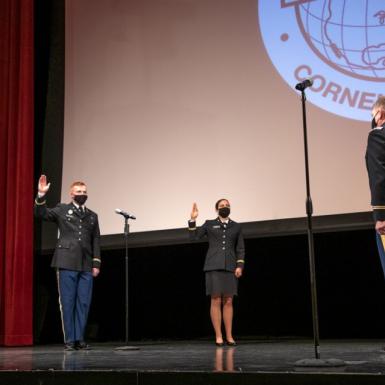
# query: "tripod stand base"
[319,363]
[127,348]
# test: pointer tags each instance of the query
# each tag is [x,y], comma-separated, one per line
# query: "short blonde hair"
[77,183]
[380,103]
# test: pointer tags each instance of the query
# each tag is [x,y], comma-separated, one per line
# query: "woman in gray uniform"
[223,266]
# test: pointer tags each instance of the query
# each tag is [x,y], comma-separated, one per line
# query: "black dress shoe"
[69,347]
[219,343]
[233,343]
[81,345]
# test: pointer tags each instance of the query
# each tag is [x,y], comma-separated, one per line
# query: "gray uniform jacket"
[226,246]
[78,246]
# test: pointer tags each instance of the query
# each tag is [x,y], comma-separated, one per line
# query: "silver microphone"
[125,214]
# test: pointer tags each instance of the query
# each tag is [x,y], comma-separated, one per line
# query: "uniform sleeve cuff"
[379,213]
[192,225]
[40,201]
[96,262]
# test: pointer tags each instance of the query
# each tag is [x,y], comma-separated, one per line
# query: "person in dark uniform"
[223,265]
[76,258]
[375,164]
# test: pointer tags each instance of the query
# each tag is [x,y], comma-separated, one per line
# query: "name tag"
[216,227]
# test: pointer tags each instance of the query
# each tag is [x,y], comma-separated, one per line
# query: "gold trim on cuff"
[39,203]
[383,241]
[97,259]
[192,228]
[241,261]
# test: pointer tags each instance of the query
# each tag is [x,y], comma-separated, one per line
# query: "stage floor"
[199,356]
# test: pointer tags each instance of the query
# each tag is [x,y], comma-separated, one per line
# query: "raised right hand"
[43,186]
[194,212]
[380,227]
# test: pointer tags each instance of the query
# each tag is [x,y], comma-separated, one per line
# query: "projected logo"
[340,44]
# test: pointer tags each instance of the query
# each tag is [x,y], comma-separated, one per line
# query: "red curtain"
[16,171]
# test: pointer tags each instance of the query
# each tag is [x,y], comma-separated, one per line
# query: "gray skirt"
[221,283]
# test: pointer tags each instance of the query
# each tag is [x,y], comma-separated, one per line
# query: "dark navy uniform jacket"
[375,164]
[226,246]
[78,246]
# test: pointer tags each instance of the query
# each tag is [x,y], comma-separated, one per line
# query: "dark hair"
[219,201]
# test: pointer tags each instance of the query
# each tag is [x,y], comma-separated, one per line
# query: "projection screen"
[170,102]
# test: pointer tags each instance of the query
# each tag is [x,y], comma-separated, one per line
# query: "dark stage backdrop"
[167,297]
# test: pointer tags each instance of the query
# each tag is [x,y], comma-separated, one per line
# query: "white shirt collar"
[78,206]
[379,127]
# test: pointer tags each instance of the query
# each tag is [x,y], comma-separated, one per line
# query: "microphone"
[126,215]
[304,84]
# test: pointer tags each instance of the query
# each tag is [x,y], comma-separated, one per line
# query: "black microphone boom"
[304,84]
[126,215]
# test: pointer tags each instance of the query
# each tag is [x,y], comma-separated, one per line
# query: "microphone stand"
[310,236]
[127,284]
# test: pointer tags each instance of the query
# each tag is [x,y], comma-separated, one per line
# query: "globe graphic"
[347,35]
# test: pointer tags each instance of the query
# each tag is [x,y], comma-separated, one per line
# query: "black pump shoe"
[81,345]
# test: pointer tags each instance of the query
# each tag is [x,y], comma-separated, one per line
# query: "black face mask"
[374,124]
[224,212]
[80,199]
